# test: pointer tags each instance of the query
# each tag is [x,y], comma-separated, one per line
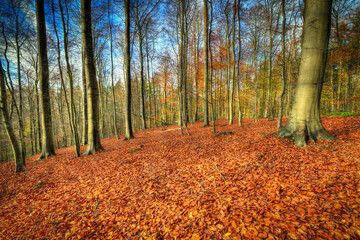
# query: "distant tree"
[112,72]
[70,106]
[206,63]
[271,10]
[93,143]
[46,119]
[304,122]
[142,11]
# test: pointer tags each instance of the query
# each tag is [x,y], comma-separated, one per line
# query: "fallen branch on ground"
[216,169]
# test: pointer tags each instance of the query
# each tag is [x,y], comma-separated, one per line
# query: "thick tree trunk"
[92,86]
[46,118]
[128,126]
[304,122]
[19,165]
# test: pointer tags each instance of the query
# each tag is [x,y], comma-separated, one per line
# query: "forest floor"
[160,185]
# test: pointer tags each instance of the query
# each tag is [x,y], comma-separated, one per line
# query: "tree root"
[300,137]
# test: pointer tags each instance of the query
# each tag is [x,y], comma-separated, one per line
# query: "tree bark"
[128,126]
[19,166]
[46,118]
[142,82]
[85,118]
[211,73]
[283,67]
[304,122]
[149,80]
[21,117]
[12,92]
[232,90]
[92,87]
[239,64]
[206,59]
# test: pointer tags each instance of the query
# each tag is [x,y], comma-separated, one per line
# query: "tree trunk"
[347,92]
[128,126]
[73,113]
[267,110]
[19,166]
[85,105]
[338,104]
[211,72]
[227,85]
[232,90]
[165,112]
[196,58]
[142,91]
[38,119]
[239,63]
[21,118]
[12,92]
[46,118]
[149,80]
[283,67]
[206,59]
[304,122]
[112,75]
[332,88]
[91,83]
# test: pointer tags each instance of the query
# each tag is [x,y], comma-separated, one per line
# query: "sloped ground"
[249,185]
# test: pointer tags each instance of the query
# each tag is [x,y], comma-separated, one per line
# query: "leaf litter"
[246,185]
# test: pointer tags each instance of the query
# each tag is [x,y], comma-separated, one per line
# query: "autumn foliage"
[246,185]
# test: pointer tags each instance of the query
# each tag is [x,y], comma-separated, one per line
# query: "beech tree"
[112,73]
[19,166]
[128,128]
[93,140]
[73,113]
[304,122]
[206,50]
[46,119]
[283,67]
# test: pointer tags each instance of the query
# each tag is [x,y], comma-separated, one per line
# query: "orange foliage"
[249,184]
